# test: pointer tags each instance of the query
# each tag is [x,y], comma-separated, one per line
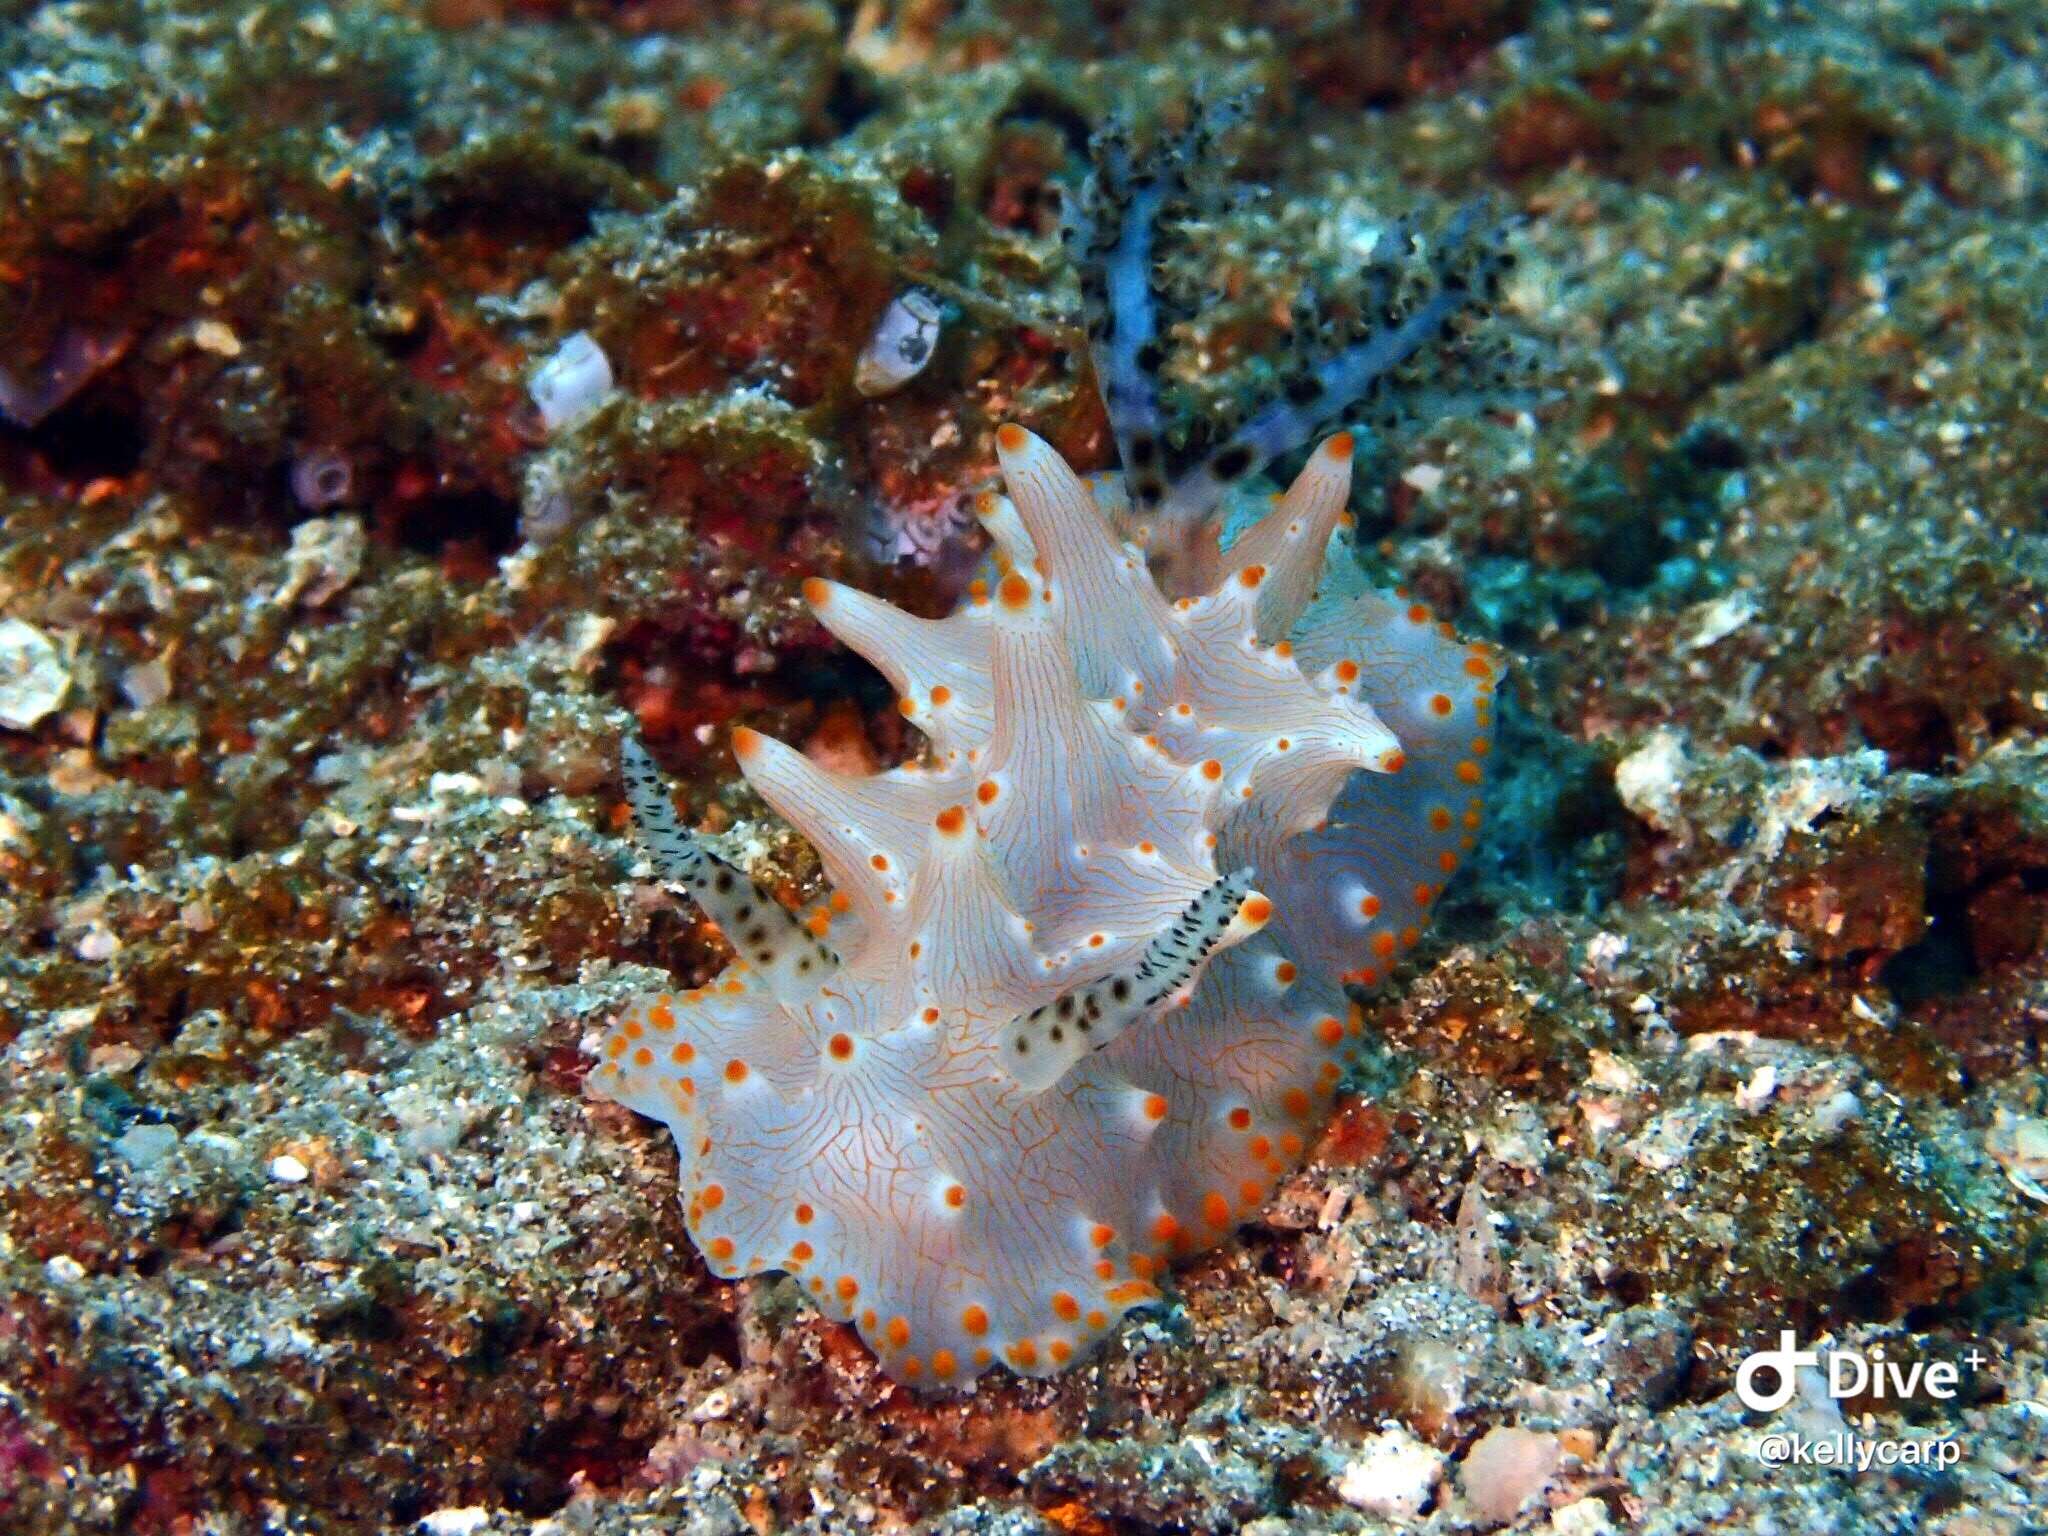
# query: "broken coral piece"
[325,556]
[33,676]
[1507,1469]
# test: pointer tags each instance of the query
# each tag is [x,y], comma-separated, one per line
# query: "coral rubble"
[317,637]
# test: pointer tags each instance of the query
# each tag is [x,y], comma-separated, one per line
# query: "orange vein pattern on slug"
[1077,1001]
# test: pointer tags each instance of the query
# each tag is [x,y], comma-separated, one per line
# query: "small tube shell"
[574,381]
[902,344]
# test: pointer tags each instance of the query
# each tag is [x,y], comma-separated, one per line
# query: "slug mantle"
[1078,997]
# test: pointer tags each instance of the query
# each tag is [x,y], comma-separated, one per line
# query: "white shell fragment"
[326,555]
[902,344]
[33,677]
[572,383]
[2019,1145]
[1392,1476]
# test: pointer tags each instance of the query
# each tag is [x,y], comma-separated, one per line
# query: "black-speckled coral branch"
[1413,349]
[1116,233]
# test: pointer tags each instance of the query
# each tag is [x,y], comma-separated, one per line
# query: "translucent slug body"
[1077,999]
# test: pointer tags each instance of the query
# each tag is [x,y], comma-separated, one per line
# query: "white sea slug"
[1054,1035]
[1079,995]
